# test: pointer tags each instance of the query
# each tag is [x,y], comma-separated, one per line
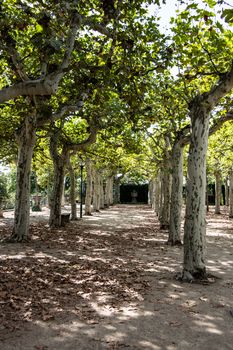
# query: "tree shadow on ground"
[108,283]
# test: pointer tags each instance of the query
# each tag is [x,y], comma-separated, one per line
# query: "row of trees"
[97,79]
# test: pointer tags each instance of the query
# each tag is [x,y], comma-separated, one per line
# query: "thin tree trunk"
[176,195]
[72,191]
[231,194]
[226,192]
[207,196]
[217,175]
[89,188]
[96,194]
[26,138]
[195,225]
[101,192]
[165,197]
[111,190]
[150,193]
[59,163]
[157,190]
[108,191]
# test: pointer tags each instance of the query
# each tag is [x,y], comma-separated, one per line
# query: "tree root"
[197,277]
[15,239]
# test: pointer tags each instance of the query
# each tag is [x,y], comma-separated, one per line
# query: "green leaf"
[227,14]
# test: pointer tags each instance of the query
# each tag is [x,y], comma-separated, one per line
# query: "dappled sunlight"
[114,287]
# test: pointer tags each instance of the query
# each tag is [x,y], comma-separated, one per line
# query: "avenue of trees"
[99,82]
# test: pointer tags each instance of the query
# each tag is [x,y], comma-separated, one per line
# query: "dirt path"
[107,282]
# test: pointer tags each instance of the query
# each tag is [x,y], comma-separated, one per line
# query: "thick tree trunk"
[217,175]
[195,225]
[26,138]
[165,197]
[72,192]
[89,188]
[176,195]
[231,195]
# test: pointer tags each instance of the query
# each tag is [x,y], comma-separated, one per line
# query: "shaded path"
[107,282]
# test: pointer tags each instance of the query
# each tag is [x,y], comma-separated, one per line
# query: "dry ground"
[108,282]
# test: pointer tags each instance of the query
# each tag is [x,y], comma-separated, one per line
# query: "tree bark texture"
[108,191]
[226,192]
[176,195]
[72,192]
[59,165]
[102,197]
[165,196]
[116,196]
[231,194]
[96,192]
[89,188]
[195,225]
[26,138]
[218,184]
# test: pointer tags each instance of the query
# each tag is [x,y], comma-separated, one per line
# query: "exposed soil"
[108,282]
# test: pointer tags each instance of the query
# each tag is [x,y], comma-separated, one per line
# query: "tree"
[214,69]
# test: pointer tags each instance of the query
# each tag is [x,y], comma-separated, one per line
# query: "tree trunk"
[101,192]
[108,191]
[96,194]
[157,194]
[26,138]
[226,192]
[231,194]
[59,164]
[150,193]
[116,197]
[72,192]
[207,196]
[195,225]
[165,197]
[89,188]
[176,195]
[217,175]
[111,191]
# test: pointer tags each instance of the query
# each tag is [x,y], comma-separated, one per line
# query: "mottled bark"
[150,193]
[89,188]
[26,137]
[108,191]
[96,192]
[72,191]
[59,165]
[217,175]
[165,196]
[156,194]
[226,192]
[102,197]
[195,225]
[116,197]
[231,194]
[176,195]
[207,196]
